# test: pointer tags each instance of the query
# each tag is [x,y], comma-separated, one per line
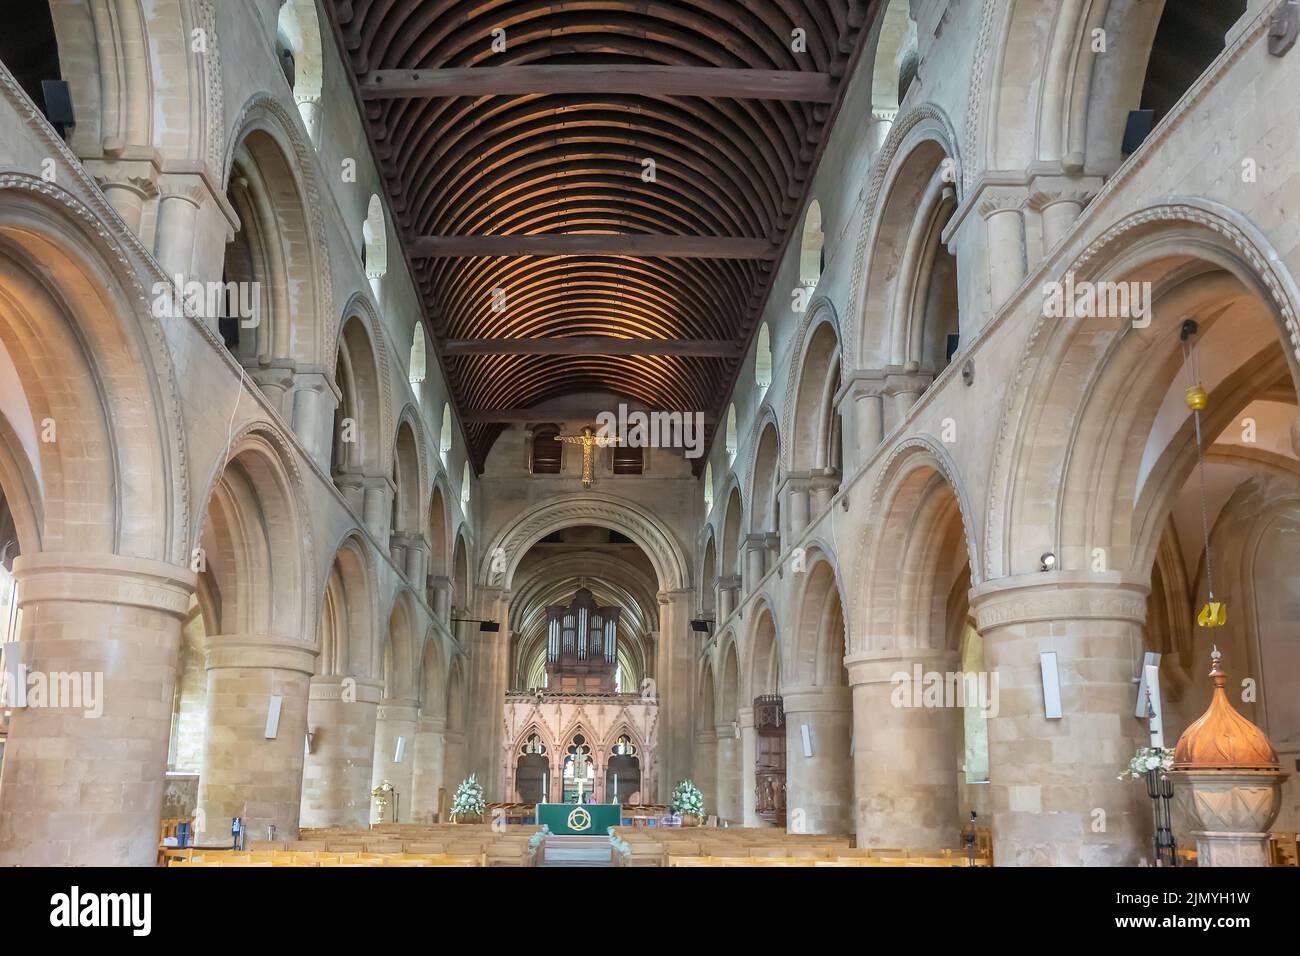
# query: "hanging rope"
[1214,614]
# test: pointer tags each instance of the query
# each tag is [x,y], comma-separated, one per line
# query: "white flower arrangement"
[1146,760]
[688,799]
[468,800]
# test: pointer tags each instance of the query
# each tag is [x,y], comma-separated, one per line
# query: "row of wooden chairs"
[1283,850]
[857,861]
[231,858]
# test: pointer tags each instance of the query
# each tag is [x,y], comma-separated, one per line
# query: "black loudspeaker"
[1137,129]
[58,105]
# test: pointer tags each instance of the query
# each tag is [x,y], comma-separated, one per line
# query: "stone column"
[178,214]
[748,760]
[797,505]
[728,592]
[430,748]
[674,688]
[440,585]
[245,774]
[336,782]
[755,548]
[862,405]
[823,488]
[730,803]
[376,509]
[819,789]
[904,752]
[772,551]
[904,390]
[1053,784]
[83,785]
[1001,209]
[315,397]
[396,719]
[704,773]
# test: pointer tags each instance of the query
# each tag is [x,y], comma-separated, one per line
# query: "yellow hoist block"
[1214,614]
[1196,398]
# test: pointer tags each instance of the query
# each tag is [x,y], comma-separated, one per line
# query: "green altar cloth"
[572,819]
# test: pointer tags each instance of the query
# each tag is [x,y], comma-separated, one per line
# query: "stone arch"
[253,539]
[728,692]
[910,308]
[360,375]
[893,60]
[347,612]
[919,137]
[1199,257]
[706,711]
[1078,119]
[732,529]
[439,528]
[456,700]
[93,366]
[590,508]
[128,95]
[433,679]
[708,572]
[299,32]
[285,206]
[397,664]
[460,570]
[810,416]
[765,479]
[762,654]
[914,554]
[820,642]
[409,471]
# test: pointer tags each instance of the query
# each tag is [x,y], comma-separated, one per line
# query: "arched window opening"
[763,360]
[629,460]
[708,487]
[374,246]
[444,435]
[896,61]
[298,49]
[30,50]
[811,259]
[464,488]
[419,350]
[1189,37]
[732,441]
[547,451]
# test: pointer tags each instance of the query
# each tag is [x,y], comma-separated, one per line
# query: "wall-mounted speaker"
[1137,129]
[1051,685]
[273,716]
[807,740]
[58,105]
[400,750]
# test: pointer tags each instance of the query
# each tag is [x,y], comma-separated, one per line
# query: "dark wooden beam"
[532,416]
[593,345]
[649,79]
[601,244]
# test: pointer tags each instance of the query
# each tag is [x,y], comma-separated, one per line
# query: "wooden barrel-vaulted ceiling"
[552,257]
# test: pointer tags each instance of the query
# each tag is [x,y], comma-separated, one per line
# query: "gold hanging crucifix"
[589,441]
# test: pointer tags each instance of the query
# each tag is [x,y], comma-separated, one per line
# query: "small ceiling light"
[1048,561]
